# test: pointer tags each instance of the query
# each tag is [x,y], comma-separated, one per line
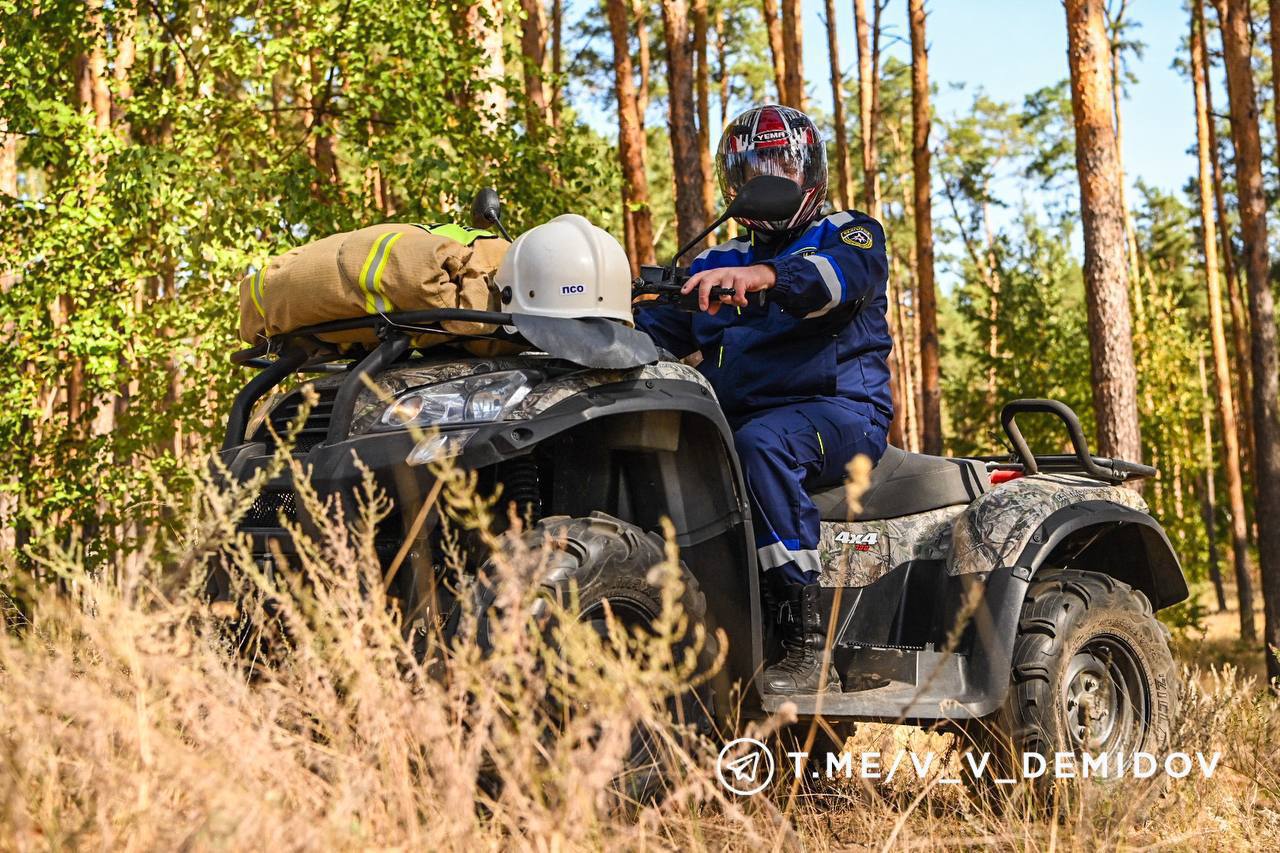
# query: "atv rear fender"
[1102,536]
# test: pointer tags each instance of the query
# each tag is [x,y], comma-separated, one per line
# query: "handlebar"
[666,284]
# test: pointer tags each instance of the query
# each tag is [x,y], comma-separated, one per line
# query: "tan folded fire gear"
[375,270]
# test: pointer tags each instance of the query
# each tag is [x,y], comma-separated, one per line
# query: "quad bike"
[1011,594]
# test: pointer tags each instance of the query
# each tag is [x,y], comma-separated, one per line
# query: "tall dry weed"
[134,715]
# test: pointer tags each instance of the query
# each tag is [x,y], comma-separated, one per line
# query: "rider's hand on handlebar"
[741,280]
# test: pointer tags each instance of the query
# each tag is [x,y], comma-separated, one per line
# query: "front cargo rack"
[303,350]
[589,342]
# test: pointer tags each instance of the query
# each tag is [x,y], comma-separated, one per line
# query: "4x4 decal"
[859,541]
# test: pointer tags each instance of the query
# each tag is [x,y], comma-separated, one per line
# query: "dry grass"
[128,720]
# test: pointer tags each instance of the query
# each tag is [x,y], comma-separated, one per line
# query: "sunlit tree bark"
[1217,334]
[793,47]
[843,191]
[1106,271]
[691,215]
[631,143]
[777,52]
[868,86]
[927,308]
[1239,318]
[533,44]
[702,89]
[640,10]
[1236,44]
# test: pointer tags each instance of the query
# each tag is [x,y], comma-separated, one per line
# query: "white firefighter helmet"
[566,268]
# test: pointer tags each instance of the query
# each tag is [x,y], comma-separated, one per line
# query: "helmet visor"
[804,164]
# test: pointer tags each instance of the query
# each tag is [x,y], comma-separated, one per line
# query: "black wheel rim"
[1106,697]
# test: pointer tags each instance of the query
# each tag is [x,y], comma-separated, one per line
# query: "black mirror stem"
[696,240]
[492,216]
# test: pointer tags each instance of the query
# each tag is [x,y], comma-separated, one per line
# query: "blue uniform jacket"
[822,333]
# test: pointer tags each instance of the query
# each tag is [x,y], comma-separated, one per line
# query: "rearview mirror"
[766,198]
[486,208]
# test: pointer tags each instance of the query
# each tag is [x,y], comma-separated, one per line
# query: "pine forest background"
[153,151]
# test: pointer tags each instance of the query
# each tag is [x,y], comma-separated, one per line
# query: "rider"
[804,377]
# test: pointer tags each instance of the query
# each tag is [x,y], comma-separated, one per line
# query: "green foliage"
[126,242]
[1042,342]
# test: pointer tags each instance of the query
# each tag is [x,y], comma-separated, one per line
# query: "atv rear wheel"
[1092,674]
[601,566]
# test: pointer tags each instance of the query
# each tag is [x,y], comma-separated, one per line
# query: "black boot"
[803,632]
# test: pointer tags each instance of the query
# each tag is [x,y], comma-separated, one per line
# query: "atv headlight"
[476,399]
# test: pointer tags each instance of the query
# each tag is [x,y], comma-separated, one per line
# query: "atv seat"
[908,483]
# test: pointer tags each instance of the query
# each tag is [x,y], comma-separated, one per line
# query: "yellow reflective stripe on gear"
[255,291]
[720,362]
[821,448]
[375,300]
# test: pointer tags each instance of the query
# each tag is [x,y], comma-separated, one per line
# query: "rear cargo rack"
[1114,471]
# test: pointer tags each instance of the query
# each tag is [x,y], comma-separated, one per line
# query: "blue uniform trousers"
[788,448]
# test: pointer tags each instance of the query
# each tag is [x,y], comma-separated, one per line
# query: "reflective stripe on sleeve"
[831,278]
[375,300]
[255,291]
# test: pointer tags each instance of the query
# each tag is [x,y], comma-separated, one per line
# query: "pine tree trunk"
[702,88]
[927,308]
[1218,338]
[902,427]
[1131,239]
[868,41]
[993,309]
[640,10]
[557,58]
[1239,320]
[1208,498]
[1266,373]
[844,196]
[92,93]
[793,47]
[484,24]
[126,54]
[1106,272]
[867,85]
[722,64]
[533,44]
[631,143]
[1273,27]
[686,161]
[8,192]
[773,27]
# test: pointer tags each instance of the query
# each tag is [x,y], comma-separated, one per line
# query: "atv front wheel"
[601,566]
[1092,674]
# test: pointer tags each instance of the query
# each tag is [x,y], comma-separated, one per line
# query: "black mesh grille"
[315,429]
[268,508]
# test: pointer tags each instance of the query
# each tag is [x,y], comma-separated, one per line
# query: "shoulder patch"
[858,236]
